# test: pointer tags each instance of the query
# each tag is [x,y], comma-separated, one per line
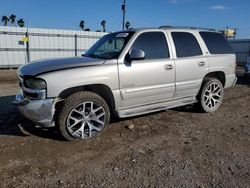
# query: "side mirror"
[136,54]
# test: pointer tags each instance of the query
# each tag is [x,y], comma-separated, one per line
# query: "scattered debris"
[60,182]
[141,151]
[231,170]
[186,142]
[134,160]
[130,127]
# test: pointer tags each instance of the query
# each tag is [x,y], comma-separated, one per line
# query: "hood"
[49,65]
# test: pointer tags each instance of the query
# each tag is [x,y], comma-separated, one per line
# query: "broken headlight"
[35,83]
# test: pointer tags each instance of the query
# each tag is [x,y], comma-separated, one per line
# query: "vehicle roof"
[186,28]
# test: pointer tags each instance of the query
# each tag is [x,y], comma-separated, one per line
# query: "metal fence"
[22,45]
[241,48]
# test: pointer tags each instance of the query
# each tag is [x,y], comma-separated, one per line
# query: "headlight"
[35,83]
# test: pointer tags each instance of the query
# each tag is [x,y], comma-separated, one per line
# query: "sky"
[66,14]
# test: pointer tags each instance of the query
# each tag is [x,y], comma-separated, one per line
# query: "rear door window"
[186,44]
[216,43]
[154,45]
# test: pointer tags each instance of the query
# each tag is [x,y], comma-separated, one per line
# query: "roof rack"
[184,27]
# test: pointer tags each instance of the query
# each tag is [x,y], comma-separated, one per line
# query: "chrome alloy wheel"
[213,95]
[86,120]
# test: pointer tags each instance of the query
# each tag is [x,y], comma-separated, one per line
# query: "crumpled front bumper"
[38,111]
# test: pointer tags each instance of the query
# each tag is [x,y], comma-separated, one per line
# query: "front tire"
[84,115]
[211,95]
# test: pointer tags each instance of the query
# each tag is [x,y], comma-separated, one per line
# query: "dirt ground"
[174,148]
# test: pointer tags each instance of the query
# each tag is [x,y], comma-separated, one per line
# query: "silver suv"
[125,74]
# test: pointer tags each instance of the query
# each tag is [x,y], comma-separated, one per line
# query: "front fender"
[59,81]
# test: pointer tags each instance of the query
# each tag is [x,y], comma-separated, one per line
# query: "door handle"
[168,67]
[201,63]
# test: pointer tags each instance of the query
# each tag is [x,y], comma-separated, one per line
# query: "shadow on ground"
[12,123]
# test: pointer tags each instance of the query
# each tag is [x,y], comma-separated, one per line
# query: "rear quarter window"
[216,43]
[186,44]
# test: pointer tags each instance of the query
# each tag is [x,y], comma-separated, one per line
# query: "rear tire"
[211,95]
[84,115]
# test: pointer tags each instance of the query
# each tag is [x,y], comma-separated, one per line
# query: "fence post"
[76,45]
[27,46]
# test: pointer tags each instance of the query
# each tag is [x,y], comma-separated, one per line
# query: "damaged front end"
[32,103]
[40,111]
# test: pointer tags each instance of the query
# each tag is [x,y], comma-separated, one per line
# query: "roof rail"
[184,27]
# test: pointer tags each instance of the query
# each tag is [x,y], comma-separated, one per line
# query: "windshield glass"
[109,46]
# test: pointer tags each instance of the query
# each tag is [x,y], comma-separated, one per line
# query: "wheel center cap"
[86,119]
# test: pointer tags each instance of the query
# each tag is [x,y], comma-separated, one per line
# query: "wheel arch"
[220,75]
[103,90]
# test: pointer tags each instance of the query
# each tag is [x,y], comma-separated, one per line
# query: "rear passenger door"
[190,61]
[152,79]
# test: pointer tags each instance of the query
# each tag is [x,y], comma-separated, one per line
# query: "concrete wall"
[43,43]
[241,48]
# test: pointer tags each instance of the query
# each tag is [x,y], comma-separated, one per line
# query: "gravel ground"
[174,148]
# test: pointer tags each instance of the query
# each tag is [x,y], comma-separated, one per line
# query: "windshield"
[109,46]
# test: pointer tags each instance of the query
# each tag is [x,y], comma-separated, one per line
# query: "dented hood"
[49,65]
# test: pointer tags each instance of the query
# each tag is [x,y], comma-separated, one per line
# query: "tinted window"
[186,44]
[154,45]
[216,43]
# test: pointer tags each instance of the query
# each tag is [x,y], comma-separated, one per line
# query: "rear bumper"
[235,80]
[230,80]
[38,111]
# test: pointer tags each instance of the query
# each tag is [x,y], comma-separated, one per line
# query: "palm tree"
[5,20]
[82,24]
[127,25]
[13,19]
[103,23]
[21,22]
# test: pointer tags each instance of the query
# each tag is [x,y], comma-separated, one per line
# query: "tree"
[21,23]
[127,25]
[82,24]
[103,23]
[13,19]
[5,20]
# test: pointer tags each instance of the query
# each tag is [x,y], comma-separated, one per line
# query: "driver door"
[152,79]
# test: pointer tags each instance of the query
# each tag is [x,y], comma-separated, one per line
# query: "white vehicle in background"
[247,68]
